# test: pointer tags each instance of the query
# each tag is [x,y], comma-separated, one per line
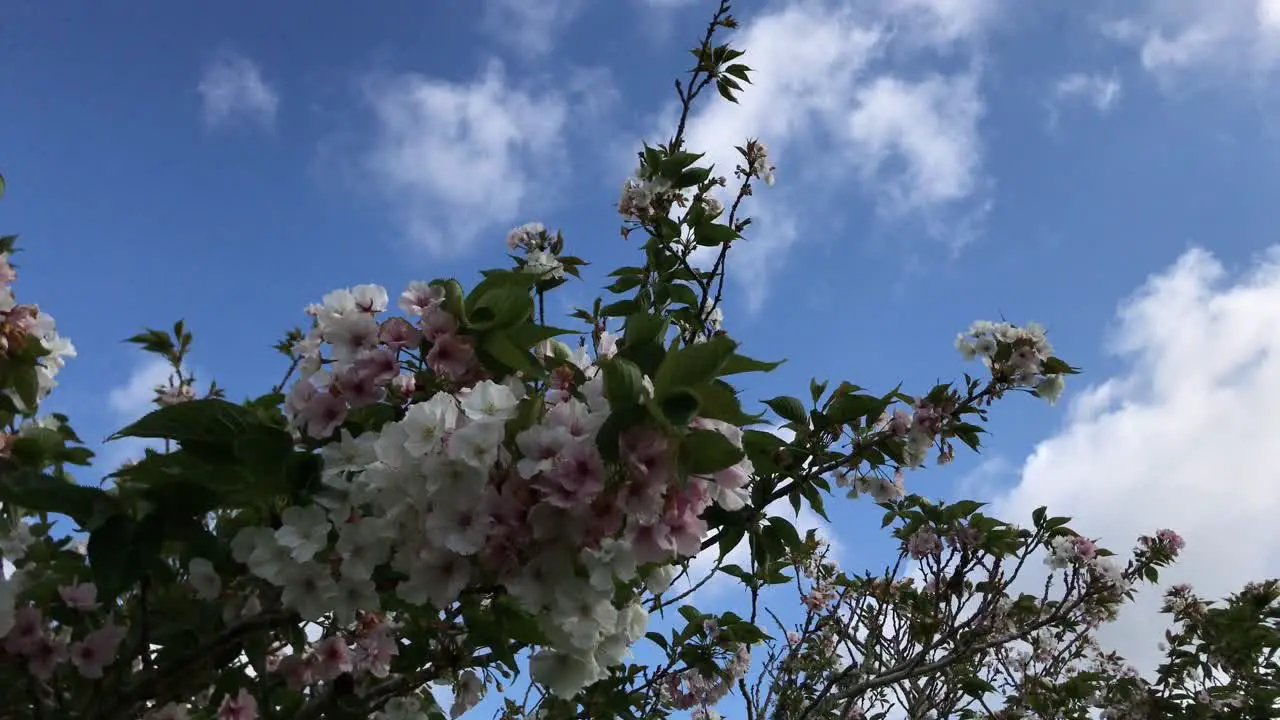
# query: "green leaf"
[847,408]
[26,384]
[622,308]
[37,492]
[703,452]
[1056,366]
[737,364]
[501,347]
[680,407]
[693,364]
[691,177]
[713,234]
[527,335]
[618,422]
[500,308]
[788,408]
[644,328]
[208,420]
[658,640]
[121,551]
[691,614]
[720,402]
[623,382]
[785,532]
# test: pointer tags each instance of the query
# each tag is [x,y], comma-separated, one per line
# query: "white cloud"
[830,112]
[233,89]
[1181,439]
[1177,37]
[1100,91]
[457,159]
[530,27]
[130,401]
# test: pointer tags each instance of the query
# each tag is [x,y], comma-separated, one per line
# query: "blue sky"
[938,161]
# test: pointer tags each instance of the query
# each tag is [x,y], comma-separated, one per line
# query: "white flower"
[1051,388]
[349,334]
[204,579]
[632,622]
[363,545]
[476,443]
[439,580]
[14,544]
[369,298]
[613,559]
[349,454]
[563,674]
[309,589]
[490,401]
[544,264]
[402,708]
[305,531]
[258,548]
[461,522]
[539,447]
[427,423]
[660,578]
[582,615]
[466,693]
[352,594]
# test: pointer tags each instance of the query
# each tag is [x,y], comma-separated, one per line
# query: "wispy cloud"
[1172,441]
[531,28]
[456,159]
[1179,39]
[233,90]
[836,113]
[1100,91]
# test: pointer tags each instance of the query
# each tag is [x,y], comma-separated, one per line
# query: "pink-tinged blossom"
[574,416]
[651,543]
[83,597]
[404,384]
[298,671]
[28,628]
[647,453]
[333,658]
[349,334]
[451,356]
[379,364]
[357,388]
[375,651]
[1172,540]
[97,650]
[398,334]
[539,447]
[322,415]
[241,706]
[576,477]
[437,323]
[46,655]
[923,543]
[419,296]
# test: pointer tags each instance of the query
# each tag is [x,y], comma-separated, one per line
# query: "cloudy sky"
[1105,168]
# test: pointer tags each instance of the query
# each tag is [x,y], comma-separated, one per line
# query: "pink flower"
[651,543]
[298,671]
[375,651]
[576,478]
[27,630]
[419,297]
[1085,548]
[242,706]
[437,323]
[97,650]
[647,453]
[404,384]
[452,357]
[333,658]
[322,415]
[379,365]
[397,334]
[1171,540]
[45,657]
[172,711]
[359,388]
[80,597]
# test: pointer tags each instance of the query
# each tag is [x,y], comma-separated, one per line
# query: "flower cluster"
[43,645]
[1015,355]
[20,324]
[448,495]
